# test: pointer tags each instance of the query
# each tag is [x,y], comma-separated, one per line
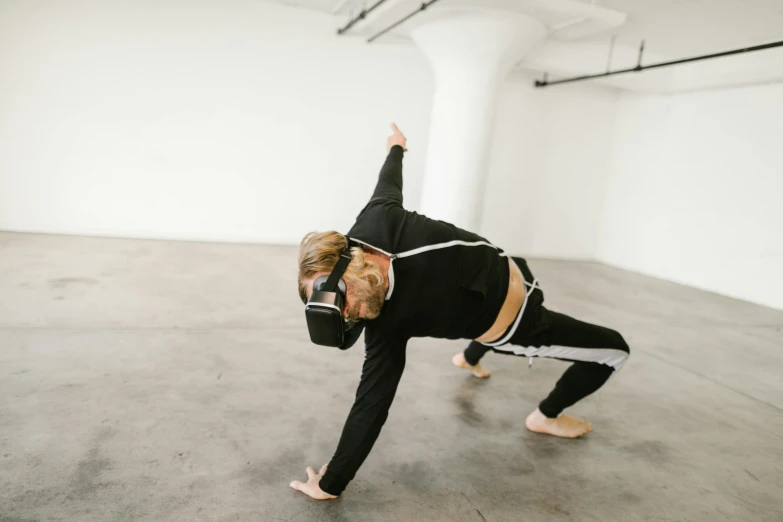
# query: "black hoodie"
[444,282]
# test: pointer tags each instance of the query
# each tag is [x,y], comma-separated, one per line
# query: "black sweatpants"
[596,352]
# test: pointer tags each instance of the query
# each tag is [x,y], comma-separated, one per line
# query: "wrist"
[332,483]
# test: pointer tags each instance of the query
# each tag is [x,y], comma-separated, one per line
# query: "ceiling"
[671,29]
[680,28]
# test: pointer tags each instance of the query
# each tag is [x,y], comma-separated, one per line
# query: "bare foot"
[477,370]
[562,426]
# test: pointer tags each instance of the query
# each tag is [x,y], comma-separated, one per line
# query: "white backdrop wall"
[245,120]
[695,191]
[549,165]
[238,120]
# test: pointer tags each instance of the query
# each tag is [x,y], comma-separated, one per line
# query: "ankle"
[547,413]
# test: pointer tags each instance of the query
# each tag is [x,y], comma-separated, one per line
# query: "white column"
[470,52]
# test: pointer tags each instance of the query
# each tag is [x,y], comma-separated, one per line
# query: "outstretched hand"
[396,139]
[311,487]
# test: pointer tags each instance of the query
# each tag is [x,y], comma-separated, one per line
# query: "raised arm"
[383,367]
[389,184]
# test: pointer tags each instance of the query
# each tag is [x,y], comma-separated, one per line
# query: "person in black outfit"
[413,276]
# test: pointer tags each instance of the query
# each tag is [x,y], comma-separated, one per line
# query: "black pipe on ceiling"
[423,6]
[361,16]
[640,67]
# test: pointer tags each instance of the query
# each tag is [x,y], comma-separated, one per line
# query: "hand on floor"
[311,487]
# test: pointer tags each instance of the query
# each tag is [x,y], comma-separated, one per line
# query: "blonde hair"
[319,252]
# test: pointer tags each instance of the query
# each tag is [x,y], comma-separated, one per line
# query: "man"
[411,276]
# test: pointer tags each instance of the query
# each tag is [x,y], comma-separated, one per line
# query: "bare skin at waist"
[515,297]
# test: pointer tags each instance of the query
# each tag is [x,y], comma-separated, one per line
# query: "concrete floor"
[164,381]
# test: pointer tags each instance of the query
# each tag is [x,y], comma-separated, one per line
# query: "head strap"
[339,269]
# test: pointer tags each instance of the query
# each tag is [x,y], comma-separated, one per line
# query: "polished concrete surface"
[165,381]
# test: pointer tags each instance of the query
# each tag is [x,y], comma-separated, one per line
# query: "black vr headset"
[324,309]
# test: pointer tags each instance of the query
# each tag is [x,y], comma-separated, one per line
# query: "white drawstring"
[532,287]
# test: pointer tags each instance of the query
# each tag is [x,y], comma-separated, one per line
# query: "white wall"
[696,188]
[245,120]
[238,120]
[550,161]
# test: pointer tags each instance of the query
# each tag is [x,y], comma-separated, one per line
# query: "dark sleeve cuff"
[397,150]
[333,483]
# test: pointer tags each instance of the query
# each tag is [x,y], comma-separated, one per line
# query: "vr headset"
[324,309]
